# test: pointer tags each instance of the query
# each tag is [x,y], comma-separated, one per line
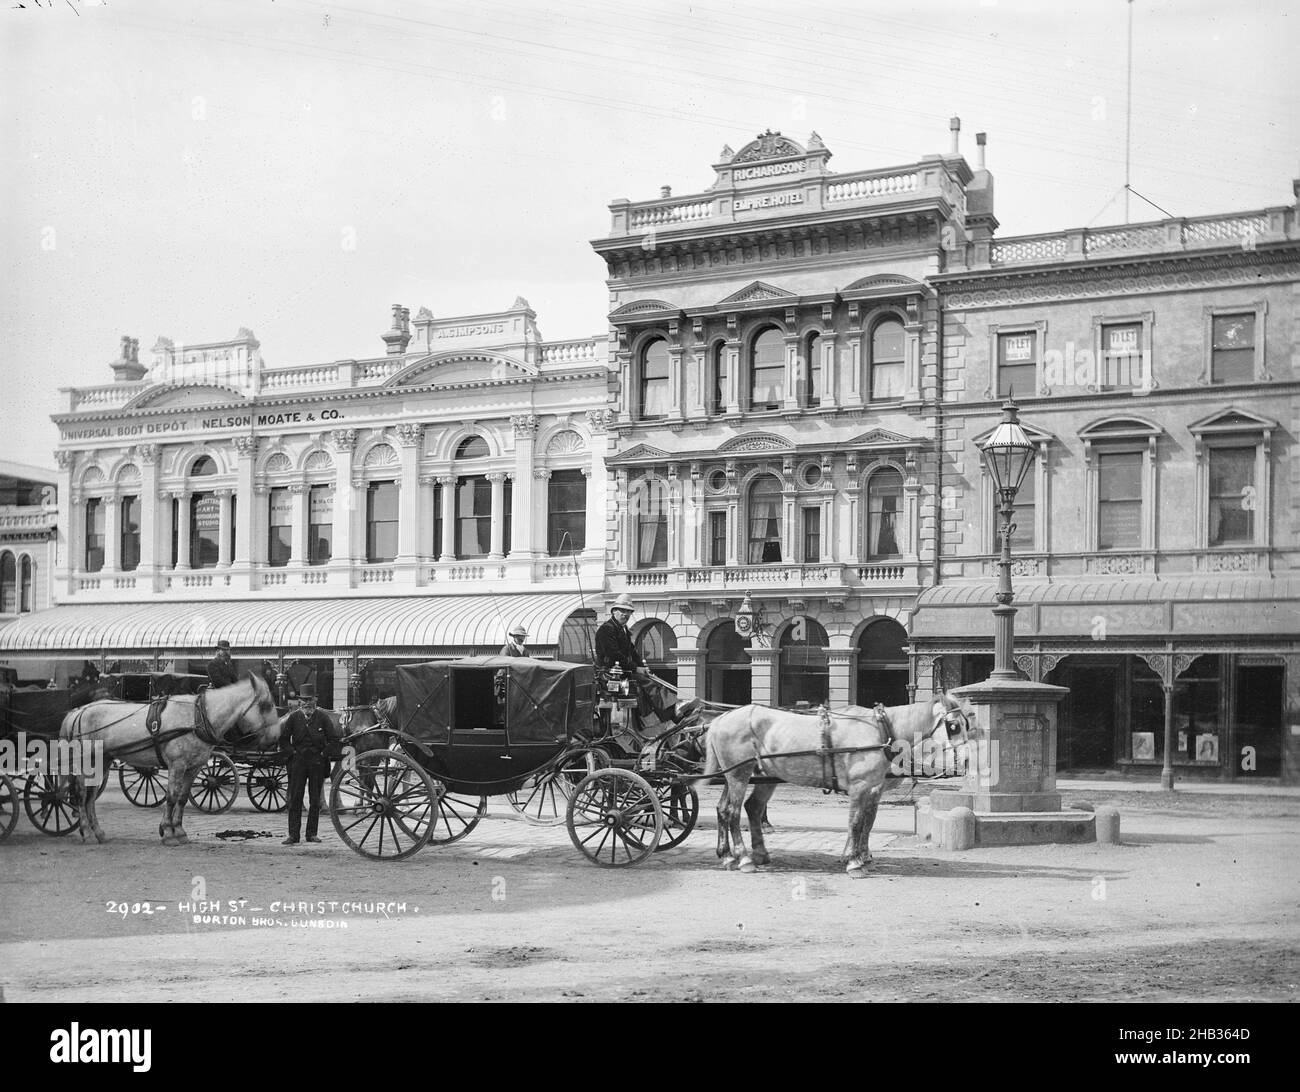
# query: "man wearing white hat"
[614,645]
[515,638]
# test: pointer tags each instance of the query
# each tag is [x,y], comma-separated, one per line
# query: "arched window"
[577,635]
[718,379]
[95,516]
[811,395]
[727,675]
[804,674]
[649,500]
[26,582]
[472,447]
[882,664]
[204,467]
[652,395]
[566,513]
[884,511]
[8,584]
[129,544]
[381,521]
[765,504]
[205,530]
[767,371]
[887,360]
[656,644]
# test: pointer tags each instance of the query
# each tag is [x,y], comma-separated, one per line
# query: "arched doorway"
[726,667]
[803,674]
[882,664]
[657,644]
[577,637]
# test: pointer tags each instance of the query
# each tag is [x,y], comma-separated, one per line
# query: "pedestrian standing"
[307,731]
[221,668]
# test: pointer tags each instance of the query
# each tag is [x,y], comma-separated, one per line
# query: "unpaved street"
[1199,903]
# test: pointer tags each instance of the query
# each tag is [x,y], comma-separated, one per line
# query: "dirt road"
[1200,902]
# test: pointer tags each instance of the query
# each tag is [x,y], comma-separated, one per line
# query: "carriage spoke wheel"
[216,786]
[47,804]
[268,787]
[544,798]
[681,807]
[383,805]
[8,806]
[146,788]
[614,818]
[457,815]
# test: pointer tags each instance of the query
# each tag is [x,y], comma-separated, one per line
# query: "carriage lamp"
[1008,453]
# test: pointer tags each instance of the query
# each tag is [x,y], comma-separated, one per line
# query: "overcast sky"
[184,169]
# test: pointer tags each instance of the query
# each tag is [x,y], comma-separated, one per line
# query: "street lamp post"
[1008,453]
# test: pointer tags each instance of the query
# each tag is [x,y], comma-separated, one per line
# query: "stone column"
[538,544]
[183,530]
[674,518]
[523,495]
[245,530]
[409,436]
[840,662]
[345,503]
[65,560]
[796,374]
[497,545]
[594,528]
[448,483]
[689,663]
[112,531]
[763,668]
[76,539]
[428,549]
[828,347]
[163,535]
[150,521]
[734,382]
[297,524]
[223,527]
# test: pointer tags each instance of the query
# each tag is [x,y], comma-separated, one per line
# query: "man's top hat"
[307,692]
[224,644]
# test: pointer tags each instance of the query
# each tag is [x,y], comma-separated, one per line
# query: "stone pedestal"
[1010,785]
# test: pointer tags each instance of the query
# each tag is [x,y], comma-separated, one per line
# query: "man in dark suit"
[307,735]
[614,645]
[221,668]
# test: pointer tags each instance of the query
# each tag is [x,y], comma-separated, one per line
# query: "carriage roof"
[546,700]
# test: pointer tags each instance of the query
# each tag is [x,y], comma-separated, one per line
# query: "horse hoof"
[747,865]
[856,872]
[728,863]
[181,840]
[761,859]
[101,838]
[168,840]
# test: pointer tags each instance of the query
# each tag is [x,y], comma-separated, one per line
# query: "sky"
[185,169]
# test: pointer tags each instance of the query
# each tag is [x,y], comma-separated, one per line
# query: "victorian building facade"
[334,518]
[776,346]
[28,529]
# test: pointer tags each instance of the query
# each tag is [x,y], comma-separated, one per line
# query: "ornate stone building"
[1158,534]
[776,346]
[28,528]
[340,514]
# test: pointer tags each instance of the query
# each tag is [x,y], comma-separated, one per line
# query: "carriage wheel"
[383,805]
[45,799]
[544,798]
[457,815]
[614,818]
[681,807]
[145,788]
[216,786]
[268,787]
[8,806]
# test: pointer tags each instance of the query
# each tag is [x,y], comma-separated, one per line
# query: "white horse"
[847,751]
[188,729]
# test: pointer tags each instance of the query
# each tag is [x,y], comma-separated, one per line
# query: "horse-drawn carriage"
[454,738]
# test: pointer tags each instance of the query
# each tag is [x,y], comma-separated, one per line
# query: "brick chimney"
[128,369]
[399,337]
[980,221]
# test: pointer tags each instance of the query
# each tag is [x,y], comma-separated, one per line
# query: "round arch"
[803,671]
[656,642]
[882,674]
[728,678]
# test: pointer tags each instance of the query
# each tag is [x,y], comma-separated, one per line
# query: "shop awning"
[397,624]
[1101,609]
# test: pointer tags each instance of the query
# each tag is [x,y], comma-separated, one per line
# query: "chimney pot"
[955,125]
[980,140]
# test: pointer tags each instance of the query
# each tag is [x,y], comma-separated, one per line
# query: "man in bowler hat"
[221,668]
[307,733]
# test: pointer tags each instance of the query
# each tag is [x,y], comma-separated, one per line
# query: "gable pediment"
[756,441]
[884,280]
[641,307]
[758,292]
[880,437]
[171,395]
[640,453]
[1232,419]
[457,366]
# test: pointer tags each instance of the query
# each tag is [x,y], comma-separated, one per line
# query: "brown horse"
[188,730]
[848,751]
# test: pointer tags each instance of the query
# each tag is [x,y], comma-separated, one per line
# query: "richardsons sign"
[742,174]
[767,201]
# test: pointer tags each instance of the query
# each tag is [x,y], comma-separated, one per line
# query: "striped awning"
[398,624]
